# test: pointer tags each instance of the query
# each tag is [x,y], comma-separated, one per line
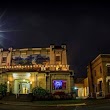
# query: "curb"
[58,105]
[80,104]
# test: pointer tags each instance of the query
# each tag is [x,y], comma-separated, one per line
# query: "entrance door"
[21,86]
[25,87]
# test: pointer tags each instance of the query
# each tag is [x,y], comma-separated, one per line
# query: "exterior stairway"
[21,98]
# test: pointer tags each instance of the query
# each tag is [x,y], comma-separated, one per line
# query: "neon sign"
[59,84]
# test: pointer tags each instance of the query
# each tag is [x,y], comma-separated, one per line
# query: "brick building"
[98,72]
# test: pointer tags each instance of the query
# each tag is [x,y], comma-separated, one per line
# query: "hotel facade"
[98,73]
[24,69]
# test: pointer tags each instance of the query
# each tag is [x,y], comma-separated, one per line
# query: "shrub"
[3,89]
[40,93]
[63,95]
[59,93]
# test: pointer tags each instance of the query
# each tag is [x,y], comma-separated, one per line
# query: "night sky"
[83,27]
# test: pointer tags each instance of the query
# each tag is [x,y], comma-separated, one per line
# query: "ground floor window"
[100,85]
[59,84]
[108,86]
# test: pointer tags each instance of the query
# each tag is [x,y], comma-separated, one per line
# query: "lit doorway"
[21,86]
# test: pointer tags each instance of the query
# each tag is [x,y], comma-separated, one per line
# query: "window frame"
[4,59]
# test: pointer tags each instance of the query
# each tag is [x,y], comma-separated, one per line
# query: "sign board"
[21,75]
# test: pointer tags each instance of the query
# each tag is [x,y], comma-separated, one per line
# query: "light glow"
[2,30]
[8,82]
[75,88]
[24,80]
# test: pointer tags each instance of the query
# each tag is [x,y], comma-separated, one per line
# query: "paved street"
[102,104]
[62,107]
[11,107]
[94,107]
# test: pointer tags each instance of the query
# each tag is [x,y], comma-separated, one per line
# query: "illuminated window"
[4,59]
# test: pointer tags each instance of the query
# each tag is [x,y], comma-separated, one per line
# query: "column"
[48,82]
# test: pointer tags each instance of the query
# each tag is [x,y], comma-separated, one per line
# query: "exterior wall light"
[75,88]
[8,82]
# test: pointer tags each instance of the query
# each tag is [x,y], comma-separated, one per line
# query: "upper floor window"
[100,69]
[58,58]
[108,69]
[94,72]
[4,59]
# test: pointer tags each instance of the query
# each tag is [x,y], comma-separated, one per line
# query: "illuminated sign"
[21,75]
[59,84]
